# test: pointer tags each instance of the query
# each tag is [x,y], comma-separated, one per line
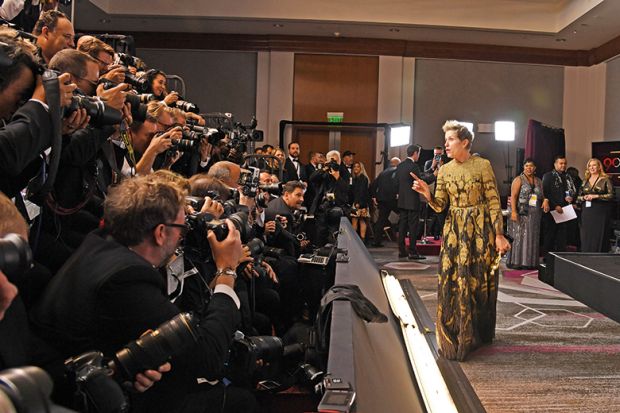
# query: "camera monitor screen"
[400,135]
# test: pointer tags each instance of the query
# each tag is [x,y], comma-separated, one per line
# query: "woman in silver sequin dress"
[526,200]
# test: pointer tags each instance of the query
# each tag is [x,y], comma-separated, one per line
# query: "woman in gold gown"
[472,238]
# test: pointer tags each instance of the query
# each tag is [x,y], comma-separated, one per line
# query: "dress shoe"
[402,255]
[416,257]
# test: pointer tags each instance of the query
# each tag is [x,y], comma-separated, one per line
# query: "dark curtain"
[542,144]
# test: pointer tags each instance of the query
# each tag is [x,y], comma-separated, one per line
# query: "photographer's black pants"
[408,222]
[382,221]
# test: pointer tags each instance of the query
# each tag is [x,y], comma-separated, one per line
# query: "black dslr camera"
[27,390]
[196,243]
[97,380]
[100,113]
[138,109]
[250,181]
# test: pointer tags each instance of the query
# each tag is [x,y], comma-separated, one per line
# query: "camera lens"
[153,349]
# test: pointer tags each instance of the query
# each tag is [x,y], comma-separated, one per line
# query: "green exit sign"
[335,117]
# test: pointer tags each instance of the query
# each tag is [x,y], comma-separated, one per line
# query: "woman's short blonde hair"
[461,131]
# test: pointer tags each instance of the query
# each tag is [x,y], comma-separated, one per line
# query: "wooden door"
[332,83]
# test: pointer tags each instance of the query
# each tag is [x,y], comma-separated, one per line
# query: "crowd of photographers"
[151,246]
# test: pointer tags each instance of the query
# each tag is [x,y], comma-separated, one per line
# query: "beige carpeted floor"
[551,353]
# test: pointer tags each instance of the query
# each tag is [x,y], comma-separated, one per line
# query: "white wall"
[584,112]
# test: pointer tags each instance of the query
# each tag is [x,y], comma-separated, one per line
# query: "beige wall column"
[584,112]
[395,97]
[274,92]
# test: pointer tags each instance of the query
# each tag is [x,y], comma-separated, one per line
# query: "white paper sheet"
[568,214]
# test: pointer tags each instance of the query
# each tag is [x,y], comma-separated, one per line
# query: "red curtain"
[542,144]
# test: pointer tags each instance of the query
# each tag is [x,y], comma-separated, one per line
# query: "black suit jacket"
[21,142]
[106,296]
[407,197]
[290,173]
[385,186]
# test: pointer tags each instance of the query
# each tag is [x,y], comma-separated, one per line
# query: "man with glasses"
[54,33]
[111,291]
[103,53]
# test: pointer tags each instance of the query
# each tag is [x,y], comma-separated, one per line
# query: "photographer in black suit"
[110,292]
[384,191]
[408,204]
[29,130]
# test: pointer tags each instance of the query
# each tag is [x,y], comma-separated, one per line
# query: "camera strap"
[127,142]
[42,184]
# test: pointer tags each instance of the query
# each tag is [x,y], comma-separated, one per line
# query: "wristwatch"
[226,271]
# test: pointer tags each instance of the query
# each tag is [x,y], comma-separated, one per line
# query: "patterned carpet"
[551,353]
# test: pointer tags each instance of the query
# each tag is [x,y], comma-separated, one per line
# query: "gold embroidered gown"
[467,292]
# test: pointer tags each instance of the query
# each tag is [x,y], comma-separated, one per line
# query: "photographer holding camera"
[29,130]
[110,292]
[332,196]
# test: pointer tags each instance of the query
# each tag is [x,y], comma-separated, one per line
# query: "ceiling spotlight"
[278,25]
[560,39]
[394,30]
[337,34]
[574,31]
[104,20]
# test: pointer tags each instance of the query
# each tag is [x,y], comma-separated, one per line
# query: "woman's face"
[455,147]
[529,169]
[159,85]
[593,167]
[357,168]
[280,155]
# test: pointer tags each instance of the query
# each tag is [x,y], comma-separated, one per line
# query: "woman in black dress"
[360,214]
[596,195]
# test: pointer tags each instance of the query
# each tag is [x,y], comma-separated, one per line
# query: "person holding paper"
[527,204]
[560,191]
[473,236]
[595,196]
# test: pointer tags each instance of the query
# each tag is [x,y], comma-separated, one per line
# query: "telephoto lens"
[154,348]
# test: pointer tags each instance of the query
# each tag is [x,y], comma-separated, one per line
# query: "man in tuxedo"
[408,204]
[294,170]
[384,191]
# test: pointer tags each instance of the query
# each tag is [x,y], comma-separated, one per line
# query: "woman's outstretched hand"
[421,187]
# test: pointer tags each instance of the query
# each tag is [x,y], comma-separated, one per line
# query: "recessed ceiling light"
[337,34]
[104,20]
[574,31]
[278,25]
[561,39]
[394,29]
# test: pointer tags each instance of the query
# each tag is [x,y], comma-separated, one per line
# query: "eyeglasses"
[183,227]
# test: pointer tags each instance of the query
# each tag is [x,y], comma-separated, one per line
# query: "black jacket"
[385,186]
[21,142]
[106,296]
[407,197]
[360,191]
[555,186]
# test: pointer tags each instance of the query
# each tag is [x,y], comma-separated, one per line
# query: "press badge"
[533,199]
[588,204]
